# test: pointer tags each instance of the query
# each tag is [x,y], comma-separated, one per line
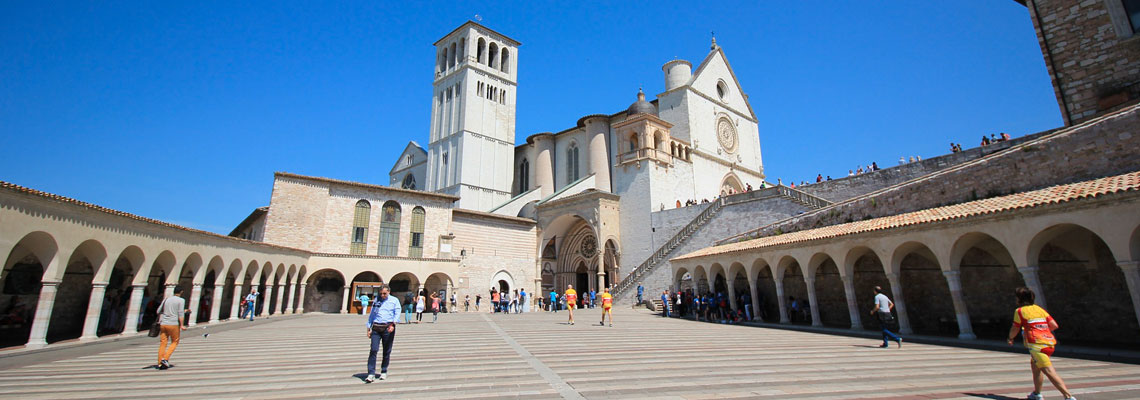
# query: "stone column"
[44,306]
[216,302]
[1132,279]
[852,306]
[133,309]
[780,300]
[280,298]
[544,163]
[731,293]
[94,308]
[900,305]
[289,306]
[345,300]
[965,330]
[301,299]
[815,321]
[265,300]
[752,287]
[1029,274]
[235,306]
[601,281]
[168,290]
[195,300]
[599,156]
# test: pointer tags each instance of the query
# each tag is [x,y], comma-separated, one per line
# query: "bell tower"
[472,139]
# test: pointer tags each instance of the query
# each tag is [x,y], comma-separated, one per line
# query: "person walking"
[571,300]
[434,307]
[363,303]
[382,332]
[607,306]
[882,310]
[466,303]
[409,306]
[251,303]
[494,301]
[478,299]
[640,292]
[513,307]
[593,298]
[522,301]
[420,300]
[665,303]
[1036,327]
[171,324]
[553,301]
[453,307]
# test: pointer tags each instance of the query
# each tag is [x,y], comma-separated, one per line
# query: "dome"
[641,106]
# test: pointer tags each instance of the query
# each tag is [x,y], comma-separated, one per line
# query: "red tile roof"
[1051,195]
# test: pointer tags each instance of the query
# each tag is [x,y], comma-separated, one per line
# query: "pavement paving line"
[551,377]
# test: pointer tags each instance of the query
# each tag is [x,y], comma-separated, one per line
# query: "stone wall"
[490,245]
[837,190]
[1106,146]
[1094,60]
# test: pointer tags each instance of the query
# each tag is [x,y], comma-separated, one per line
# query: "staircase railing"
[670,245]
[806,199]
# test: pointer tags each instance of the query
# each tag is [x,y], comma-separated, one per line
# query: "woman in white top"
[420,307]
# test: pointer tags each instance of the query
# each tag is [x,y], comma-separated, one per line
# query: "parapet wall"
[1105,146]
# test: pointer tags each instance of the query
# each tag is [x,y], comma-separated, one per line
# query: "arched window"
[633,141]
[481,51]
[658,141]
[416,247]
[572,163]
[673,149]
[524,176]
[505,64]
[493,56]
[462,49]
[360,227]
[389,229]
[409,182]
[454,57]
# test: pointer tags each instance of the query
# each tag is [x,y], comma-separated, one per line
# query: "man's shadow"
[360,376]
[991,396]
[865,345]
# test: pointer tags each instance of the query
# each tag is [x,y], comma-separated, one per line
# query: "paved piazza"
[478,355]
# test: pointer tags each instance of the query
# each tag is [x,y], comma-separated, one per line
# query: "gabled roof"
[718,50]
[253,216]
[412,147]
[1129,182]
[366,185]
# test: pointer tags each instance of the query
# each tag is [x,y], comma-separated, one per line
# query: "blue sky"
[182,112]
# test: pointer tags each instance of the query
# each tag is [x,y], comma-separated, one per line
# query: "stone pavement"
[478,355]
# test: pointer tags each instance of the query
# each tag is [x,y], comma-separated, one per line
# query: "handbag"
[157,326]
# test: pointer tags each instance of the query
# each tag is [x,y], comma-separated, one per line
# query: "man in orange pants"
[171,325]
[571,299]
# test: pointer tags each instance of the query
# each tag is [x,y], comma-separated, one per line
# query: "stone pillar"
[1029,274]
[133,309]
[216,302]
[44,306]
[345,300]
[1132,279]
[954,281]
[280,298]
[94,308]
[168,290]
[900,305]
[235,306]
[852,306]
[752,287]
[815,321]
[731,293]
[265,300]
[599,156]
[601,281]
[544,163]
[301,299]
[780,300]
[195,300]
[289,305]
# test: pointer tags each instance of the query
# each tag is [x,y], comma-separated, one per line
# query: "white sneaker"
[1034,396]
[1071,398]
[370,379]
[383,375]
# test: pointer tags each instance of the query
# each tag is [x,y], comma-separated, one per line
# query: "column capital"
[1128,265]
[97,285]
[50,283]
[893,277]
[847,278]
[1027,268]
[951,274]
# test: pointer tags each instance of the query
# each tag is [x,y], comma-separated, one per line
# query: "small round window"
[721,89]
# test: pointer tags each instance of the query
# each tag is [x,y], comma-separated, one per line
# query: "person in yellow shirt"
[607,306]
[1036,327]
[571,298]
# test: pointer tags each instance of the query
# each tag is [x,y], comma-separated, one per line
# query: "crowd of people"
[693,202]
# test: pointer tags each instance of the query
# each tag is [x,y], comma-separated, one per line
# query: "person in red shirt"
[1036,327]
[571,300]
[607,306]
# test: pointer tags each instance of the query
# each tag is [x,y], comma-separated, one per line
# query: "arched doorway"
[988,280]
[795,292]
[22,282]
[117,300]
[867,272]
[403,285]
[730,185]
[766,293]
[582,277]
[363,283]
[326,291]
[830,297]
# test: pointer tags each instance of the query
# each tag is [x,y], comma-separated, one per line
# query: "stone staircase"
[662,253]
[802,198]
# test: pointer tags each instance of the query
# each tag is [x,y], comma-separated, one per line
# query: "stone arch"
[481,51]
[453,56]
[440,282]
[290,287]
[830,296]
[354,293]
[22,281]
[988,276]
[187,274]
[230,279]
[611,260]
[326,291]
[1076,268]
[402,284]
[505,63]
[658,140]
[119,290]
[718,279]
[682,280]
[701,280]
[795,296]
[264,282]
[867,270]
[767,296]
[929,304]
[547,276]
[155,282]
[211,281]
[730,184]
[73,294]
[493,55]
